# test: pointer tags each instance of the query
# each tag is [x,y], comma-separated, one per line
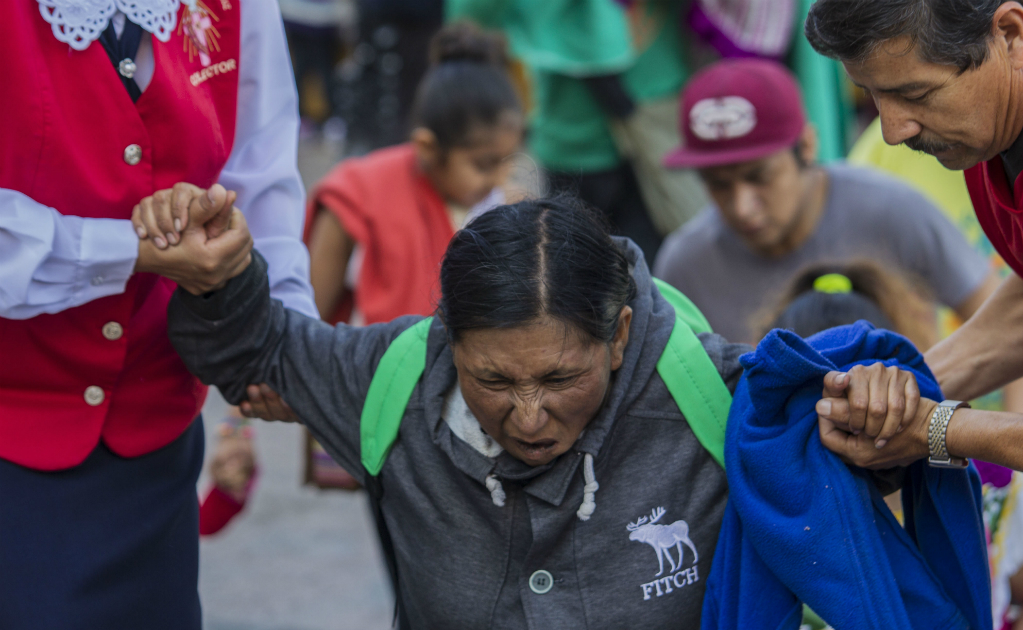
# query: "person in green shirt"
[606,80]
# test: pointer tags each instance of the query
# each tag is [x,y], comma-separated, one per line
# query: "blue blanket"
[802,527]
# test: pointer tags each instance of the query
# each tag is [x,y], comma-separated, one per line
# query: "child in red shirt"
[398,207]
[232,471]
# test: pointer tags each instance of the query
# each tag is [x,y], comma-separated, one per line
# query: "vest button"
[541,582]
[94,395]
[113,331]
[127,68]
[132,154]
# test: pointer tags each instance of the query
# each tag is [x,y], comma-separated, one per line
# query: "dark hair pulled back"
[547,257]
[949,32]
[467,86]
[883,297]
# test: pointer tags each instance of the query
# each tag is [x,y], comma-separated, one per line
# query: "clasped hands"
[198,239]
[874,417]
[195,237]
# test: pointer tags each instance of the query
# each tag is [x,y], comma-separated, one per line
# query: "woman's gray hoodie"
[639,561]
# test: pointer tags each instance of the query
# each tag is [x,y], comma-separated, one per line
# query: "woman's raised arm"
[238,335]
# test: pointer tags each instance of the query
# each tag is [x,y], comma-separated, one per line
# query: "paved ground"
[298,558]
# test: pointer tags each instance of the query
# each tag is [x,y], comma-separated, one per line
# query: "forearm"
[1012,397]
[984,354]
[228,338]
[51,262]
[239,336]
[330,248]
[990,436]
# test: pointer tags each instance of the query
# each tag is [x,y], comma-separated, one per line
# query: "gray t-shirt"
[867,215]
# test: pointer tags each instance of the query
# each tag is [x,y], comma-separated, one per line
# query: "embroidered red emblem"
[197,22]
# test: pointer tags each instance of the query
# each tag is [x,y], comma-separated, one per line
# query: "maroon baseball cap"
[735,111]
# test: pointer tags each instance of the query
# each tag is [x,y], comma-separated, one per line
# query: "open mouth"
[538,449]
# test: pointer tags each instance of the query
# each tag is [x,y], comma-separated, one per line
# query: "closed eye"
[916,99]
[560,380]
[492,383]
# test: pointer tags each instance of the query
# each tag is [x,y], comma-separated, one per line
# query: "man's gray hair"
[947,32]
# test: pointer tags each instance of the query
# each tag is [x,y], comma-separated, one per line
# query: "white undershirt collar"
[78,23]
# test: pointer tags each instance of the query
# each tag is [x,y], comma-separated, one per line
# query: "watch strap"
[937,433]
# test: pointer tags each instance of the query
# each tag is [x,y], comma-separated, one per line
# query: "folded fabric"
[802,527]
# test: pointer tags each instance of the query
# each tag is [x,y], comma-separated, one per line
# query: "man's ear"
[426,147]
[808,144]
[621,338]
[1007,26]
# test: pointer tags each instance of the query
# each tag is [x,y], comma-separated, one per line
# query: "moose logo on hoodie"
[663,538]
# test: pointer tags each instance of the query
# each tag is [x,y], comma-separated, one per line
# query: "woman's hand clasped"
[195,237]
[873,416]
[267,404]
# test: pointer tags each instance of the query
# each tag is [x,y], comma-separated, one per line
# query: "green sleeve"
[487,13]
[828,103]
[571,37]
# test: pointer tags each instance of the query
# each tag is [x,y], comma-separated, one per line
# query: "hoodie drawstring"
[496,490]
[589,490]
[589,504]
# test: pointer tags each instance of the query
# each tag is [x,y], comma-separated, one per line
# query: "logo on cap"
[722,118]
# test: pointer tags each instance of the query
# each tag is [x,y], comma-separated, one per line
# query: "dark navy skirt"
[111,544]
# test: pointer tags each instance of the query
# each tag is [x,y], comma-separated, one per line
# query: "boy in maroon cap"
[774,211]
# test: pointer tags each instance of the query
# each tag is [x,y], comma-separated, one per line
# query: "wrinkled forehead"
[529,351]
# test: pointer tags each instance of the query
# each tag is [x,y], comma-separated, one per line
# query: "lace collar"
[78,23]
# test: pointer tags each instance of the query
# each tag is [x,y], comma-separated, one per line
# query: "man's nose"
[897,125]
[745,201]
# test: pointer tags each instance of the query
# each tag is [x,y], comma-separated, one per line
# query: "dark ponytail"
[467,86]
[881,296]
[548,257]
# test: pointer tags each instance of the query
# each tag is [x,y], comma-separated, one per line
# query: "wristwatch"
[936,436]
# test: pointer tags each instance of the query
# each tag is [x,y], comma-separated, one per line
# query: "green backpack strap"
[690,375]
[396,376]
[687,371]
[684,307]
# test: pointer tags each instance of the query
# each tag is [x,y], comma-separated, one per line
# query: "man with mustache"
[947,79]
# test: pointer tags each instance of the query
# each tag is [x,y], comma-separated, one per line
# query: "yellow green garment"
[944,188]
[563,41]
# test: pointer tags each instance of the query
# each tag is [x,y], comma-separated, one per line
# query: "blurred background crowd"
[413,122]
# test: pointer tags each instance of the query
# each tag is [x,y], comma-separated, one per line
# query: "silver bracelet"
[937,433]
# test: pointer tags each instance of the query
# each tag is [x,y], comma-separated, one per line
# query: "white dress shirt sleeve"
[50,262]
[263,165]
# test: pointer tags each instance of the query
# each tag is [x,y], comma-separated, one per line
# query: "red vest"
[104,369]
[999,209]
